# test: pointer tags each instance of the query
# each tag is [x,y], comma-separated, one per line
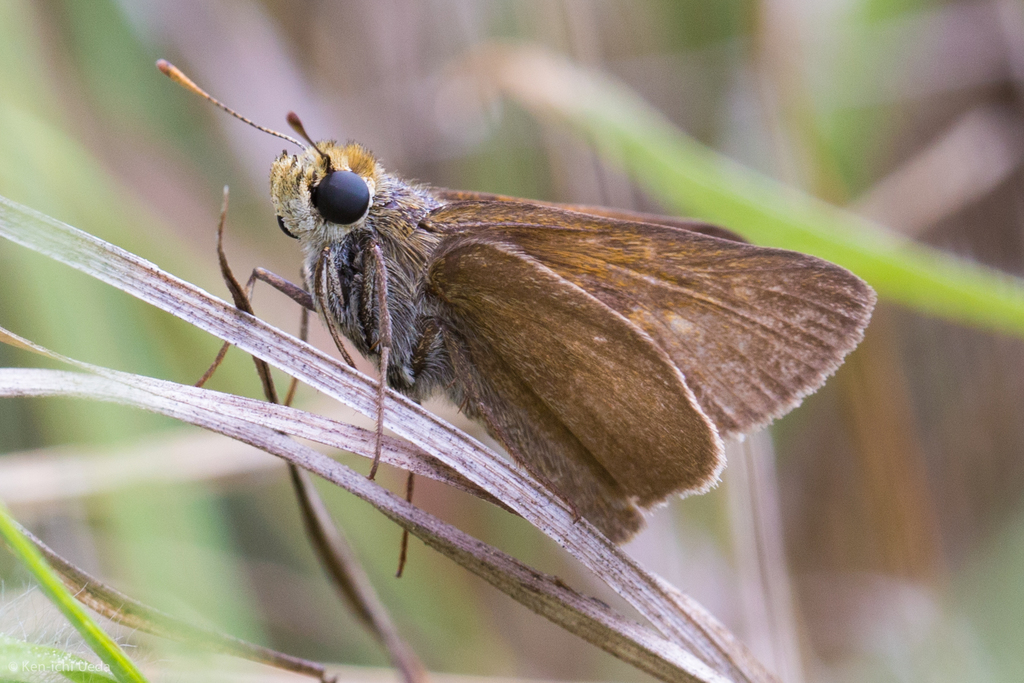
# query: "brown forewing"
[446,195]
[569,385]
[752,329]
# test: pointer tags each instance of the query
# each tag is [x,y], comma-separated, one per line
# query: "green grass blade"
[694,180]
[102,644]
[26,662]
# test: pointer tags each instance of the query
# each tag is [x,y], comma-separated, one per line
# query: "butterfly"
[610,352]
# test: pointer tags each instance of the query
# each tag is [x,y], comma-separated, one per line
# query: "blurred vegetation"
[99,641]
[901,482]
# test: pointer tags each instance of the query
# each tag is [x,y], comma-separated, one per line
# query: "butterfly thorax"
[349,301]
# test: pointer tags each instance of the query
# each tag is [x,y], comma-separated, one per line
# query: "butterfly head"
[324,192]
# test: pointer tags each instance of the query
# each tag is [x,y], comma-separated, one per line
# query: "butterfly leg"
[321,289]
[328,542]
[289,289]
[243,298]
[383,344]
[242,301]
[403,552]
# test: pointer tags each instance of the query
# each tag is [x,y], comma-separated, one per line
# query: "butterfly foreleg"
[289,289]
[383,345]
[243,297]
[321,290]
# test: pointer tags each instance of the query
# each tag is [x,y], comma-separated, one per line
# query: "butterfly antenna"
[296,123]
[179,77]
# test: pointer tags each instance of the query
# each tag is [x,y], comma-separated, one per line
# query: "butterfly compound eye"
[280,224]
[342,197]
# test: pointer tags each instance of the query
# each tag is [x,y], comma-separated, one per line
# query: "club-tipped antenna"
[179,77]
[296,123]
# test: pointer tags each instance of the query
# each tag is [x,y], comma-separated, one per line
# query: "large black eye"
[280,224]
[342,197]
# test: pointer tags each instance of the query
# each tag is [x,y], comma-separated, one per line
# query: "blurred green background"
[899,484]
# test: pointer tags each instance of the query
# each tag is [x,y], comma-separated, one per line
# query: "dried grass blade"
[683,622]
[118,607]
[588,618]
